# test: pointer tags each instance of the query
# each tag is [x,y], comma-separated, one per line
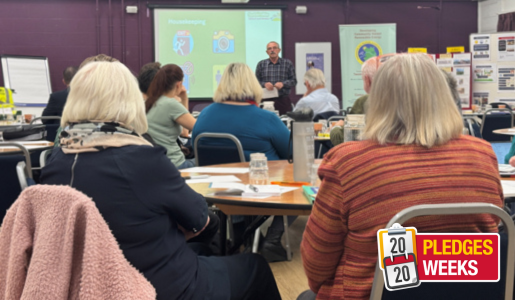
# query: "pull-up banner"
[357,44]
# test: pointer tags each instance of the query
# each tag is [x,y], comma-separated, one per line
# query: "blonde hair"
[410,102]
[315,77]
[238,83]
[105,91]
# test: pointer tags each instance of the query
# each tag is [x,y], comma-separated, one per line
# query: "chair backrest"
[493,119]
[11,183]
[212,152]
[496,105]
[324,116]
[473,125]
[334,118]
[453,209]
[51,128]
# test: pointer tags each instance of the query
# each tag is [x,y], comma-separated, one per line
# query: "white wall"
[488,13]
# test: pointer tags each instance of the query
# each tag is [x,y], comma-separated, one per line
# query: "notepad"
[310,192]
[216,170]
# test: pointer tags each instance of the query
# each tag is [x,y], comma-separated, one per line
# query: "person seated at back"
[235,111]
[146,75]
[167,112]
[317,97]
[414,154]
[57,100]
[141,195]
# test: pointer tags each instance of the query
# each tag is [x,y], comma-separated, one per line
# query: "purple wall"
[66,30]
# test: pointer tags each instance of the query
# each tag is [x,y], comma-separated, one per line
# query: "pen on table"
[253,188]
[196,177]
[290,183]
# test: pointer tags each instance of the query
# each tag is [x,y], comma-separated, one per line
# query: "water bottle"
[258,172]
[353,131]
[303,143]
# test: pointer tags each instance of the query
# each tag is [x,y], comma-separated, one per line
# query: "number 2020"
[405,274]
[401,243]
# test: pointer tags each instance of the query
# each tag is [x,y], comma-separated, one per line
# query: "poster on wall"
[506,79]
[481,47]
[480,98]
[312,55]
[485,73]
[506,47]
[357,44]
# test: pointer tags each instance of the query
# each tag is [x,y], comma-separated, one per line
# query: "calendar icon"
[400,272]
[396,240]
[397,249]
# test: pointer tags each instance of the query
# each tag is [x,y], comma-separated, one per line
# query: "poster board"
[357,44]
[493,68]
[29,79]
[312,55]
[460,66]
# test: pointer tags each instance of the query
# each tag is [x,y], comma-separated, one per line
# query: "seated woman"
[166,115]
[414,154]
[140,193]
[235,111]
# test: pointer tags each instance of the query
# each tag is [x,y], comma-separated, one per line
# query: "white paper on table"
[508,188]
[244,188]
[216,170]
[227,178]
[270,94]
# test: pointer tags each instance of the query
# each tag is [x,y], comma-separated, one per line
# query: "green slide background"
[206,63]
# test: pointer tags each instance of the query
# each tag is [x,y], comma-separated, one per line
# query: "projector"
[235,1]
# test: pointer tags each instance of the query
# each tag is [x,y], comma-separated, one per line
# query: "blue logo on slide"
[183,42]
[223,42]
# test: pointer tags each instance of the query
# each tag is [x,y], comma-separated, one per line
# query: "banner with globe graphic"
[357,44]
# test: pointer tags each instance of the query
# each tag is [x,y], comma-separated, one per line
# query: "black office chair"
[496,105]
[324,116]
[456,290]
[11,180]
[493,119]
[214,149]
[51,129]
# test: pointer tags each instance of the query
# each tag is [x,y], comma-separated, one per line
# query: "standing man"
[58,99]
[279,73]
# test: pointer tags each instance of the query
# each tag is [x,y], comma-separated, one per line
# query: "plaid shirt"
[282,71]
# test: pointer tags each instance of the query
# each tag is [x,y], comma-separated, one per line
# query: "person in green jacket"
[368,70]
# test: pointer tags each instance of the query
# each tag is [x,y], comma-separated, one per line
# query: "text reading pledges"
[458,257]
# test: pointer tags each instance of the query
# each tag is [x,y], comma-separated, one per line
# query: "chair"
[324,116]
[462,290]
[15,176]
[473,124]
[54,244]
[496,105]
[335,117]
[217,152]
[493,119]
[51,129]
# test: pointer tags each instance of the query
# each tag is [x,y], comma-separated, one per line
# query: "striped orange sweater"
[364,185]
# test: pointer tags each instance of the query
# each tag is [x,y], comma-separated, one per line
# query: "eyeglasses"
[272,48]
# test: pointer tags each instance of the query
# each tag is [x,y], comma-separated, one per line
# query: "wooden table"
[290,203]
[505,131]
[30,145]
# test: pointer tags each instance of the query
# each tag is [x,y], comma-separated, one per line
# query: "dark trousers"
[250,277]
[282,104]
